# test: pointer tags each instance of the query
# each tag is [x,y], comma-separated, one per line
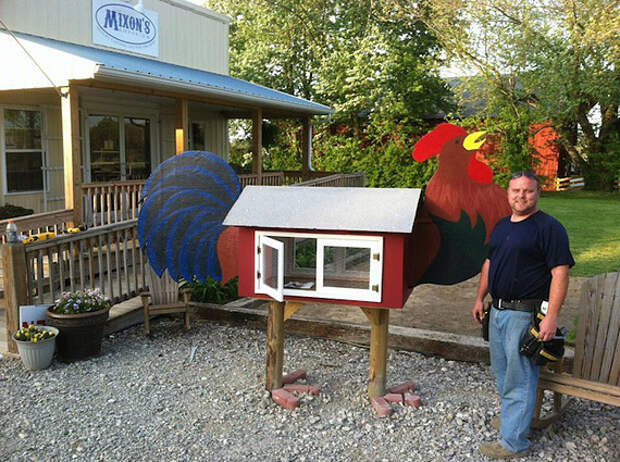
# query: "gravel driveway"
[142,399]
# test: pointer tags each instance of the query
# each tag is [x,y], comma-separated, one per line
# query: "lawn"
[592,220]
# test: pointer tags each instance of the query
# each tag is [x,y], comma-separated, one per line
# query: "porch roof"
[65,62]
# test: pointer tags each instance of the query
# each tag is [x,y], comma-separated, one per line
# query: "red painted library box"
[325,244]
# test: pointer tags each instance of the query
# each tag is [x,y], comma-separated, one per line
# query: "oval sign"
[123,23]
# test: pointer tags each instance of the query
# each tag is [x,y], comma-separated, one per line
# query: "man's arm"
[557,293]
[483,288]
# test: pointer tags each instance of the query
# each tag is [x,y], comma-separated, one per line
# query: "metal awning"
[388,210]
[65,62]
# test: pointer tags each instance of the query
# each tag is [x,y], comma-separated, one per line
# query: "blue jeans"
[516,375]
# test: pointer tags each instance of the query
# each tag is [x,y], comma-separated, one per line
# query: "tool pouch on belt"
[542,352]
[485,322]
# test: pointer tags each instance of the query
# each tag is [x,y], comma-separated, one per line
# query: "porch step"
[123,315]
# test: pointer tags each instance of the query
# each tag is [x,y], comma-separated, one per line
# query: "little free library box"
[325,244]
[349,246]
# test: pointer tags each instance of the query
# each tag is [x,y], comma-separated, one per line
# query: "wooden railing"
[570,182]
[112,202]
[267,179]
[107,257]
[346,180]
[39,222]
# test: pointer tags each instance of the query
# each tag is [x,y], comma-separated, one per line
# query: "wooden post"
[275,345]
[72,157]
[15,287]
[182,126]
[306,146]
[257,144]
[379,322]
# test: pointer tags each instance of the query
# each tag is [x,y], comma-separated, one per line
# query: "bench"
[596,366]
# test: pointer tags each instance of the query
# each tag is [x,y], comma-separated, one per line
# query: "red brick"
[285,399]
[294,376]
[413,400]
[381,406]
[403,387]
[300,388]
[393,397]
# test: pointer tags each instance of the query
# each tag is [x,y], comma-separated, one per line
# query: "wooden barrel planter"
[80,334]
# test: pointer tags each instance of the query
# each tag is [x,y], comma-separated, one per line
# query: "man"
[528,262]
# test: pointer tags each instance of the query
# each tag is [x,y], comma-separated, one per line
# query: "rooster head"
[452,143]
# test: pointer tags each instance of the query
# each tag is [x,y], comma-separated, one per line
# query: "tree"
[377,70]
[557,58]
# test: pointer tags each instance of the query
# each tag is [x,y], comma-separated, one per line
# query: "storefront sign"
[120,25]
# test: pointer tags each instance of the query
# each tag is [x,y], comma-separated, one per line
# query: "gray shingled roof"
[331,209]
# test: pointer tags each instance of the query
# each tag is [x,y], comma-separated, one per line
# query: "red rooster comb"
[431,143]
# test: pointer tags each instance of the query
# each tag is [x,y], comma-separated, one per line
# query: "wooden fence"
[343,180]
[570,182]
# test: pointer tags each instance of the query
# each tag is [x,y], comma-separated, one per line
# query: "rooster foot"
[284,396]
[402,393]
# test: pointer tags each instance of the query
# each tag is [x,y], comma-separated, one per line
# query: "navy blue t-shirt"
[522,255]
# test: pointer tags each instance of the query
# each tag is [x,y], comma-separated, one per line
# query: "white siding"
[188,35]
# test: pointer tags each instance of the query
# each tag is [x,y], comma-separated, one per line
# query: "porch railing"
[39,222]
[107,257]
[112,202]
[343,180]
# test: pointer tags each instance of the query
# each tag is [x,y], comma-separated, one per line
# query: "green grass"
[592,220]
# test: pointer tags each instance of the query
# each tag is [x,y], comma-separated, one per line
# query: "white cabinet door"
[270,268]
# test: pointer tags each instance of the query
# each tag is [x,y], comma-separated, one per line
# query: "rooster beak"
[474,141]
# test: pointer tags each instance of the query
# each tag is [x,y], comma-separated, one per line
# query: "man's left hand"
[547,327]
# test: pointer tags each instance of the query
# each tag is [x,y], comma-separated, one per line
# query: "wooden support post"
[379,322]
[257,144]
[290,308]
[182,126]
[275,346]
[306,147]
[72,156]
[15,287]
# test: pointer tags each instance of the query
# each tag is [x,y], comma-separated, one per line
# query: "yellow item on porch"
[39,237]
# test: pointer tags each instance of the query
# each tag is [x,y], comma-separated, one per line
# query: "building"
[101,91]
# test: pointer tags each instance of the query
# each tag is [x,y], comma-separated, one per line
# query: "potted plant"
[80,317]
[36,345]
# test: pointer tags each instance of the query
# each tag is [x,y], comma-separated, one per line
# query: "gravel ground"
[142,399]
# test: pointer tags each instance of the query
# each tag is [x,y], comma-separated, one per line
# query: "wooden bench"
[596,366]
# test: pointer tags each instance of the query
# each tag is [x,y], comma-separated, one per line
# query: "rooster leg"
[282,387]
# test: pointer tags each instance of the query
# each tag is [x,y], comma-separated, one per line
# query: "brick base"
[284,399]
[293,376]
[381,406]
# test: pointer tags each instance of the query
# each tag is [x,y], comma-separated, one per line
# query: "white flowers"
[81,301]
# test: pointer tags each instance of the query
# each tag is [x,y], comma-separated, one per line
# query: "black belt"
[529,305]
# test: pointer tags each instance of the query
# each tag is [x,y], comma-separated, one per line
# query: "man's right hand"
[478,311]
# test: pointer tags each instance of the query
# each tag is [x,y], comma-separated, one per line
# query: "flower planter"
[80,334]
[37,355]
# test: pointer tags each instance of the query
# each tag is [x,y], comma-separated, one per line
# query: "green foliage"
[552,62]
[377,70]
[13,211]
[212,291]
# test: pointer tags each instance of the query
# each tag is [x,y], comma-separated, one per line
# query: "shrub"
[13,211]
[211,291]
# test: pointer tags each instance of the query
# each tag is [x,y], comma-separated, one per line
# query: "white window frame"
[373,243]
[96,111]
[3,150]
[261,286]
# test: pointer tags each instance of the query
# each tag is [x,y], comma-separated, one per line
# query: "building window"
[120,147]
[197,136]
[23,150]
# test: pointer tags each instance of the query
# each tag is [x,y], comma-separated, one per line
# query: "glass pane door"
[105,153]
[270,277]
[137,148]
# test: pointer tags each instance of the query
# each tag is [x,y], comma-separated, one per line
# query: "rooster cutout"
[461,207]
[185,201]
